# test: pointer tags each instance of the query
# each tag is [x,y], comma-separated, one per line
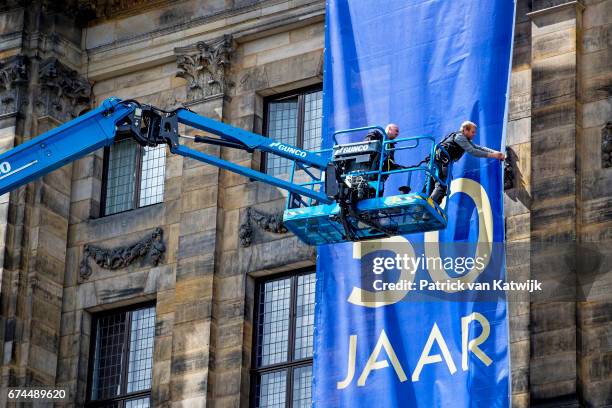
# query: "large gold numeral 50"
[367,298]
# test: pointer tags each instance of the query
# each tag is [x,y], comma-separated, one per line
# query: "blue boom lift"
[331,199]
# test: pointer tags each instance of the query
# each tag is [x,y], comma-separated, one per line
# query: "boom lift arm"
[341,202]
[149,126]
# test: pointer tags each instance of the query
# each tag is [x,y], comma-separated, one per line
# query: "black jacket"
[452,147]
[389,155]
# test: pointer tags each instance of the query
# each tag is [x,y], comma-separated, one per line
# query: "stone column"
[193,210]
[594,312]
[14,79]
[555,127]
[61,95]
[37,222]
[517,201]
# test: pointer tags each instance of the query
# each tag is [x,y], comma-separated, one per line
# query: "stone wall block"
[198,221]
[162,348]
[518,131]
[86,296]
[264,256]
[554,68]
[190,362]
[194,267]
[196,244]
[197,199]
[190,336]
[194,290]
[164,324]
[552,316]
[188,312]
[121,287]
[184,388]
[595,63]
[554,43]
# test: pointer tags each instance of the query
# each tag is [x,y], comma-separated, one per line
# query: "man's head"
[392,131]
[468,129]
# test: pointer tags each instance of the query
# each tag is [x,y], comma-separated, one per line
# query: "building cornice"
[555,9]
[200,21]
[157,47]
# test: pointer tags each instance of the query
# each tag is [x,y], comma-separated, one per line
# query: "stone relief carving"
[205,66]
[63,93]
[606,145]
[150,248]
[267,222]
[87,10]
[13,81]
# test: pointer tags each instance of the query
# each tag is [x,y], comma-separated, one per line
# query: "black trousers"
[435,189]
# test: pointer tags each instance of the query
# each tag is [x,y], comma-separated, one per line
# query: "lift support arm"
[149,126]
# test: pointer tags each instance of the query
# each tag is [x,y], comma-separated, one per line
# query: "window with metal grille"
[284,336]
[122,358]
[133,176]
[293,119]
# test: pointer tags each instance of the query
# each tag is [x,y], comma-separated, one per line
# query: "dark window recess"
[293,119]
[133,176]
[284,320]
[122,358]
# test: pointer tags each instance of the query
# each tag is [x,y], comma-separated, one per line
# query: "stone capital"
[14,76]
[205,65]
[63,93]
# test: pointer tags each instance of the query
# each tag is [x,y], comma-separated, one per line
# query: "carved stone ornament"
[606,145]
[87,10]
[267,222]
[63,93]
[150,248]
[13,82]
[205,66]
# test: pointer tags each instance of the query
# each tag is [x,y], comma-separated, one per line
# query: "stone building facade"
[199,254]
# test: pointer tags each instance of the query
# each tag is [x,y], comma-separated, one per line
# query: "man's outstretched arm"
[476,150]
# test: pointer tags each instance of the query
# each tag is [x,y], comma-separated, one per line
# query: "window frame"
[121,399]
[137,183]
[290,365]
[300,93]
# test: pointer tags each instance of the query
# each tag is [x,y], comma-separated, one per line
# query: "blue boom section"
[61,145]
[255,142]
[252,140]
[254,174]
[98,128]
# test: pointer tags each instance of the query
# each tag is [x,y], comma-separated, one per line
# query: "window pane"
[282,127]
[304,316]
[272,390]
[138,403]
[121,176]
[313,114]
[152,175]
[302,387]
[273,325]
[110,341]
[142,332]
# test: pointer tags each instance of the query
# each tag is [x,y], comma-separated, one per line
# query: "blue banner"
[426,66]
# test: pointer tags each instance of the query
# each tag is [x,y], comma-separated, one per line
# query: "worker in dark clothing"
[389,163]
[456,144]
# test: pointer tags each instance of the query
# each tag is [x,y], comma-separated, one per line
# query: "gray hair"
[467,124]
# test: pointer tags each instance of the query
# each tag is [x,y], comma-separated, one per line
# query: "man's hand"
[498,155]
